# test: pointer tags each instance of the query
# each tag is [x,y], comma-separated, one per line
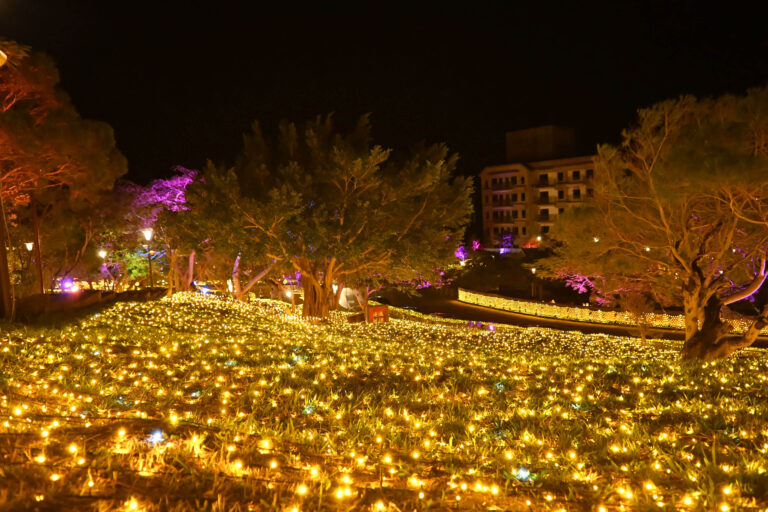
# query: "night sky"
[181,81]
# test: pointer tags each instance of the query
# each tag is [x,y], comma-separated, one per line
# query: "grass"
[203,404]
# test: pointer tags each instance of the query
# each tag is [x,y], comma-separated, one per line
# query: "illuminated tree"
[335,206]
[158,206]
[230,252]
[679,213]
[46,146]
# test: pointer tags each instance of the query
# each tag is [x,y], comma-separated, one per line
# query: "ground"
[204,404]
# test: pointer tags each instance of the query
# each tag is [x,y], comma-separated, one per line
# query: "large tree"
[676,215]
[333,205]
[46,145]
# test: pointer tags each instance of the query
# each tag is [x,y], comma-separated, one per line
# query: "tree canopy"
[336,207]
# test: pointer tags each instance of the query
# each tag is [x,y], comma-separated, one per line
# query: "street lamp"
[29,246]
[533,283]
[148,237]
[102,253]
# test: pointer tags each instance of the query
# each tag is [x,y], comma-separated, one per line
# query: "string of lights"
[194,402]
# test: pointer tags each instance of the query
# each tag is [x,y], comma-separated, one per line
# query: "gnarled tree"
[674,215]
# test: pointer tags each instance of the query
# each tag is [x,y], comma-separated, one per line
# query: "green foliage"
[337,207]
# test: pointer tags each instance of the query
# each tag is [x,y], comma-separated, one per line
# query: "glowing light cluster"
[200,403]
[582,314]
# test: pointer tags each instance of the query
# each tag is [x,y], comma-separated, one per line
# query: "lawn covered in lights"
[202,404]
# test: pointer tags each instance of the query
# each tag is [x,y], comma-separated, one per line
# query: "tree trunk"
[714,340]
[6,295]
[315,298]
[172,267]
[362,299]
[337,297]
[38,252]
[190,271]
[239,290]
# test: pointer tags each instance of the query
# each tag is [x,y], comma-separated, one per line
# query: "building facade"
[524,198]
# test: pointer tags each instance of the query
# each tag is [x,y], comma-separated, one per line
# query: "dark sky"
[180,81]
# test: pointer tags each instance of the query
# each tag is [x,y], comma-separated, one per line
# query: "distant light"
[595,239]
[74,288]
[102,253]
[67,284]
[647,249]
[538,238]
[533,270]
[335,288]
[156,437]
[523,474]
[463,263]
[147,234]
[288,293]
[29,246]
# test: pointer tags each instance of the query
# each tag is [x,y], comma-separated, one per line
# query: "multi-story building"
[524,197]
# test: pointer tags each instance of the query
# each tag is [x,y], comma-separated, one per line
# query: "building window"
[495,198]
[522,196]
[514,180]
[486,183]
[522,213]
[514,230]
[522,180]
[487,215]
[560,210]
[544,214]
[493,182]
[590,192]
[486,199]
[524,230]
[590,173]
[514,214]
[576,175]
[577,193]
[560,176]
[544,179]
[560,194]
[543,197]
[544,230]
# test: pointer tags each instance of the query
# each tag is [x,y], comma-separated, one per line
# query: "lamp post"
[103,255]
[533,283]
[148,237]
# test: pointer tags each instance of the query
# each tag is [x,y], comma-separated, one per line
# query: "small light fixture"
[102,253]
[538,238]
[647,249]
[288,293]
[147,234]
[595,239]
[29,246]
[533,270]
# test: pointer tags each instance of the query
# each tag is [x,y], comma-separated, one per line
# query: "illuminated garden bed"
[203,404]
[582,314]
